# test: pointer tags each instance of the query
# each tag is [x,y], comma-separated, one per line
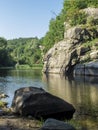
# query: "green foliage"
[79,4]
[5,58]
[26,66]
[3,43]
[55,33]
[72,14]
[25,50]
[22,66]
[94,42]
[74,17]
[91,21]
[92,3]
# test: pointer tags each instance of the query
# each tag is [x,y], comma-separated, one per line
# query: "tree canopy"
[5,59]
[25,50]
[71,14]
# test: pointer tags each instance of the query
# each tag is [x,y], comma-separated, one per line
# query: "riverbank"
[23,66]
[17,123]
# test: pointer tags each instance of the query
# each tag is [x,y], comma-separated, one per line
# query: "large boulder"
[52,124]
[40,104]
[90,68]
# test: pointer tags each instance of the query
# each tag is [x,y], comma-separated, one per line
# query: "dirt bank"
[17,123]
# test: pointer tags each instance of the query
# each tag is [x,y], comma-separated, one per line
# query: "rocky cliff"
[80,45]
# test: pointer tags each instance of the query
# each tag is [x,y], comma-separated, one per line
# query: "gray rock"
[94,55]
[73,33]
[52,124]
[90,68]
[91,12]
[64,55]
[40,104]
[59,60]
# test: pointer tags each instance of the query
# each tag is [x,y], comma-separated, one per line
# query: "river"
[82,91]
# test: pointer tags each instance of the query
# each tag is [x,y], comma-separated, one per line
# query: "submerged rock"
[40,104]
[52,124]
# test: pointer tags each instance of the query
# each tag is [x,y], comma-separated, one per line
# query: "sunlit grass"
[26,66]
[94,42]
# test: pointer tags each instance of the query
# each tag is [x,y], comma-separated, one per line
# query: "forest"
[28,51]
[21,51]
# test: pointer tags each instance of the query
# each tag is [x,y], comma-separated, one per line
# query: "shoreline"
[18,123]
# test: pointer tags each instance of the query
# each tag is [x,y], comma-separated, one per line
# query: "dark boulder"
[40,104]
[52,124]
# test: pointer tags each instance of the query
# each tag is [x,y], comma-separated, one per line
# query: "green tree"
[3,43]
[72,14]
[25,50]
[5,58]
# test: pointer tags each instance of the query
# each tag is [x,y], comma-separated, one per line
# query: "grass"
[26,66]
[75,123]
[37,65]
[94,42]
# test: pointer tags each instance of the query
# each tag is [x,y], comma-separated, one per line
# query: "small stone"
[53,124]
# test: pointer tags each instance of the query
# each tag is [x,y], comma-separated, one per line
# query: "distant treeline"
[25,50]
[20,51]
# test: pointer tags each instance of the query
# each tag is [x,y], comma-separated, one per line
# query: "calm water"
[82,92]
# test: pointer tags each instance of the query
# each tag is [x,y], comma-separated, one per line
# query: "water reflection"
[77,91]
[10,80]
[59,86]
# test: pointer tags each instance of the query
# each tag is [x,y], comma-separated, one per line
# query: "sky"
[27,18]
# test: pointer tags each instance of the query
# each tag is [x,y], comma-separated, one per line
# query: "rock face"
[40,104]
[64,55]
[91,12]
[90,68]
[52,124]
